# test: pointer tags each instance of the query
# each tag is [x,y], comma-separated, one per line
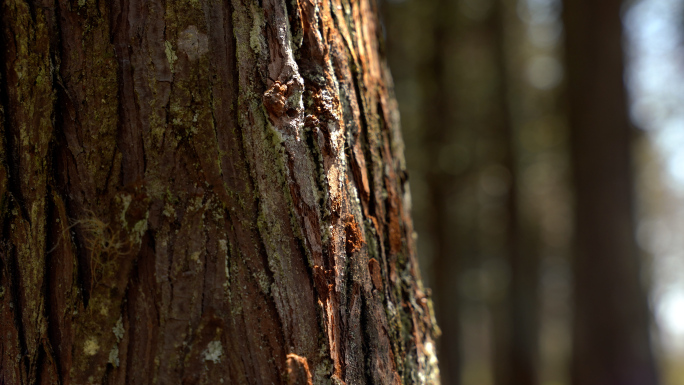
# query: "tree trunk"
[611,324]
[196,191]
[515,318]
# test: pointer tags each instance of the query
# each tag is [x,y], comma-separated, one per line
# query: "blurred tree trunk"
[611,323]
[462,137]
[516,329]
[422,39]
[209,192]
[438,126]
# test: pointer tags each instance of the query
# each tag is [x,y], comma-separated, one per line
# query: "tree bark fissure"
[204,192]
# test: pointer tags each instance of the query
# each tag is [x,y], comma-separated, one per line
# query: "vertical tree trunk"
[197,191]
[456,53]
[611,323]
[437,131]
[517,327]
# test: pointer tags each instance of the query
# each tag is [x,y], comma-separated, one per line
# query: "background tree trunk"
[204,192]
[611,323]
[515,318]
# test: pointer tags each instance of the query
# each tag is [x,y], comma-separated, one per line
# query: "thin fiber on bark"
[204,192]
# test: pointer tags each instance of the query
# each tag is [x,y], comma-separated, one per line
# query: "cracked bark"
[204,192]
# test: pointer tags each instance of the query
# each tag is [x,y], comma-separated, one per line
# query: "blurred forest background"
[545,147]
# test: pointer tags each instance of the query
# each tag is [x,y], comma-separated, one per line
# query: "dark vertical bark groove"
[16,305]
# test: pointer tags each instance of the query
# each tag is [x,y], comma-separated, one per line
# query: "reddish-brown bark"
[204,192]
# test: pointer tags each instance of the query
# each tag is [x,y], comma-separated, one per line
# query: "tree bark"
[611,323]
[197,191]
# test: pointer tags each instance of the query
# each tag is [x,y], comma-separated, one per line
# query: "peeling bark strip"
[204,192]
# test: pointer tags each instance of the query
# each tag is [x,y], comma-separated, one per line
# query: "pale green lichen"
[140,228]
[125,202]
[213,352]
[114,356]
[223,247]
[263,281]
[170,54]
[169,211]
[23,135]
[91,347]
[195,257]
[195,204]
[118,329]
[256,37]
[104,308]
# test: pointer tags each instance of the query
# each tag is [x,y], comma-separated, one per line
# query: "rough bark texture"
[199,191]
[611,324]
